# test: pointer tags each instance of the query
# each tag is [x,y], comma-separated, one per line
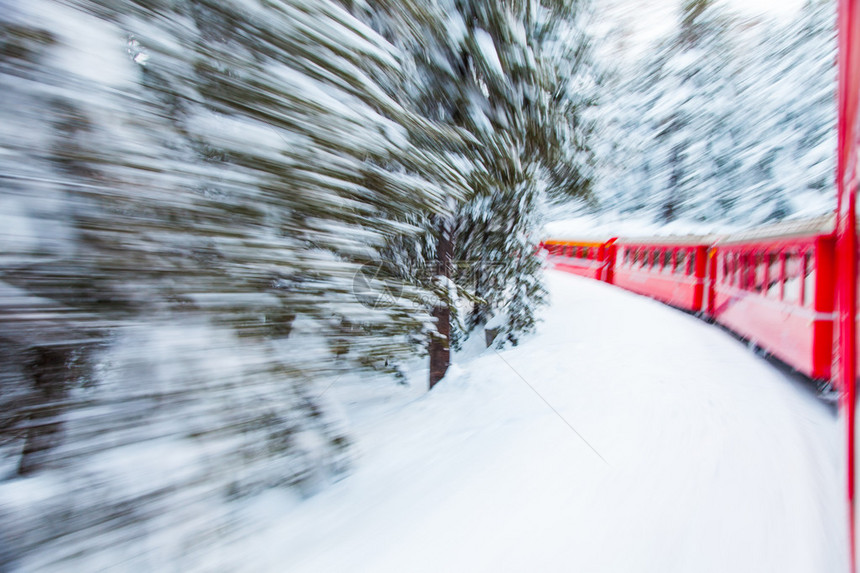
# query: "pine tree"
[511,75]
[725,121]
[197,200]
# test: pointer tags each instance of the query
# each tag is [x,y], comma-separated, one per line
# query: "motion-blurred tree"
[727,120]
[190,188]
[516,76]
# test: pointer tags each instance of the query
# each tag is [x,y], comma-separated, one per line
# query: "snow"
[645,21]
[604,226]
[94,49]
[738,127]
[625,436]
[546,457]
[488,50]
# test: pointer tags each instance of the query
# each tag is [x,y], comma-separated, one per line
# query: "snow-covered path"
[705,458]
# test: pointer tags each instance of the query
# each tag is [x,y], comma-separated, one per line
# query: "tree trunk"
[439,348]
[50,372]
[481,311]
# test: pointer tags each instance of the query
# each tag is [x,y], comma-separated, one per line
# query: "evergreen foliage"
[726,121]
[516,77]
[211,210]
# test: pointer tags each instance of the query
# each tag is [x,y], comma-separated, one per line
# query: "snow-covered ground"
[626,436]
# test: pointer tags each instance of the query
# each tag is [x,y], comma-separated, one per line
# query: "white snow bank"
[714,459]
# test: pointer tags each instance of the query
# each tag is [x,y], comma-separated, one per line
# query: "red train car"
[671,270]
[775,287]
[587,258]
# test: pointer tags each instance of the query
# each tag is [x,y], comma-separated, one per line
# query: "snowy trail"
[714,460]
